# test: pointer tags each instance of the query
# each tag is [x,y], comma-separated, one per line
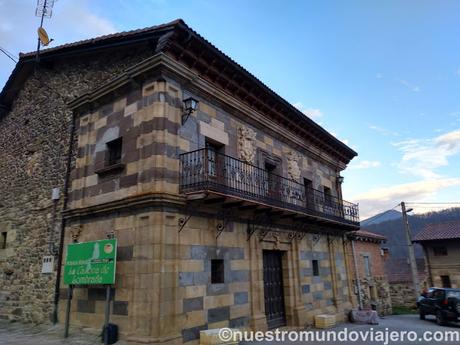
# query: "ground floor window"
[217,271]
[445,281]
[315,266]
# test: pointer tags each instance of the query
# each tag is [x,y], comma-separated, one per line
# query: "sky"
[382,76]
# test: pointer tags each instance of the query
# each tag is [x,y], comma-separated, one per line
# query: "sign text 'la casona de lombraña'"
[91,263]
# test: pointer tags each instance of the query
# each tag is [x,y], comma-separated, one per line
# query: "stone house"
[441,246]
[368,268]
[226,214]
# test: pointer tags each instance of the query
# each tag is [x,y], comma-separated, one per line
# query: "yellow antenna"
[43,36]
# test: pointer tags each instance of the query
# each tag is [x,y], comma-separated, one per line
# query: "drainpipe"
[358,284]
[63,221]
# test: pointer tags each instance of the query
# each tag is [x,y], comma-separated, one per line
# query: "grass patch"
[402,310]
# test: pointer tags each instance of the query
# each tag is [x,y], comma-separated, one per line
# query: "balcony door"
[215,162]
[273,181]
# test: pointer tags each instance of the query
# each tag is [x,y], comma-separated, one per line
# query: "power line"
[434,203]
[7,53]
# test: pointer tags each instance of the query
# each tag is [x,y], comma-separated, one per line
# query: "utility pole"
[410,247]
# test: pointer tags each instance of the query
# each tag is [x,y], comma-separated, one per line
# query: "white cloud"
[310,112]
[365,165]
[384,131]
[422,157]
[381,199]
[71,21]
[412,87]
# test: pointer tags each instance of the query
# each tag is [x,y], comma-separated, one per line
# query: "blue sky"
[383,76]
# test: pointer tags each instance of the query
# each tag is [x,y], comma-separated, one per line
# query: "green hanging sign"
[90,263]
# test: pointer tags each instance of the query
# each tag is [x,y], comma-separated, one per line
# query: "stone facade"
[400,279]
[163,275]
[168,239]
[34,140]
[444,263]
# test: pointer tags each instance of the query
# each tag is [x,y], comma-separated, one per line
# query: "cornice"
[163,62]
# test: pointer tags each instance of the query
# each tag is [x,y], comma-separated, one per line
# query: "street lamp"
[190,105]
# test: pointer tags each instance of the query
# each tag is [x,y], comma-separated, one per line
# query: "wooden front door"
[273,289]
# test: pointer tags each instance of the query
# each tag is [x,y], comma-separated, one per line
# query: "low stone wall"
[376,290]
[402,294]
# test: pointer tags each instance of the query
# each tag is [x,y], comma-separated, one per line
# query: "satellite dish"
[43,36]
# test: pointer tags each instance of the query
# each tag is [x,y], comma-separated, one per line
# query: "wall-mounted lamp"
[190,105]
[340,179]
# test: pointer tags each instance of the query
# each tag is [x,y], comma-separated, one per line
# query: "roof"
[398,270]
[363,235]
[439,231]
[184,44]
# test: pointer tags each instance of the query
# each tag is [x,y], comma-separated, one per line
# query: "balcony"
[206,172]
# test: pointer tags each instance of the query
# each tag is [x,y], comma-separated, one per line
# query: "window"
[214,157]
[308,185]
[327,196]
[114,149]
[315,266]
[3,240]
[367,265]
[217,271]
[439,251]
[445,281]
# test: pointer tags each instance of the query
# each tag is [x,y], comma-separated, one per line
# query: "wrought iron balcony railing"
[207,170]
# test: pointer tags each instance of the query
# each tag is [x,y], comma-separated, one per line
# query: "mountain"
[382,217]
[393,229]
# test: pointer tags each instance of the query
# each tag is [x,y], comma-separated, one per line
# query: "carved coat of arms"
[246,144]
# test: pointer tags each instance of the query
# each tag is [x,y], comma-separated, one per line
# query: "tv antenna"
[44,9]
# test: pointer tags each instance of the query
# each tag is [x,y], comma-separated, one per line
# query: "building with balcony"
[225,199]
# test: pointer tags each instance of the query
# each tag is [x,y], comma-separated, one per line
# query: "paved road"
[18,334]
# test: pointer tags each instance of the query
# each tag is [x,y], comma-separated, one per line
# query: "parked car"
[423,295]
[443,303]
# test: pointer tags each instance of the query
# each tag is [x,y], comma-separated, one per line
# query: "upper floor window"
[308,184]
[367,265]
[114,149]
[327,195]
[439,251]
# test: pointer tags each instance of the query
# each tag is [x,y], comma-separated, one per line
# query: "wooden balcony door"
[273,181]
[215,162]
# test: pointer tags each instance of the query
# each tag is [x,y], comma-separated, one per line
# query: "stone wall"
[163,290]
[34,139]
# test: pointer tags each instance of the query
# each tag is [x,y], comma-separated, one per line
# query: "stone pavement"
[14,333]
[20,334]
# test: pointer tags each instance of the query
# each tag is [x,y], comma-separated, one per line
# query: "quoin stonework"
[227,214]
